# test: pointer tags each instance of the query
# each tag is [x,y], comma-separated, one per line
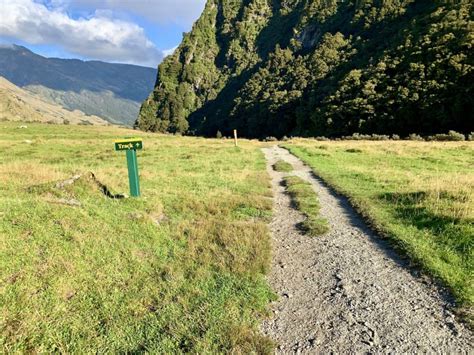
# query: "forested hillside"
[319,67]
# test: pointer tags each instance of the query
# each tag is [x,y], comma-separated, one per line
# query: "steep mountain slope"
[319,67]
[112,91]
[17,104]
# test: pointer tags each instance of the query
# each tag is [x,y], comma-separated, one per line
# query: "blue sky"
[125,31]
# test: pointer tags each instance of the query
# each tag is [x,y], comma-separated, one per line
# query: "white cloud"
[98,36]
[181,12]
[170,51]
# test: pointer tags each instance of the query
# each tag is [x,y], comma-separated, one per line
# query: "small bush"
[285,139]
[452,136]
[66,122]
[415,137]
[470,137]
[271,139]
[356,137]
[395,137]
[353,150]
[323,139]
[366,137]
[379,137]
[456,136]
[218,135]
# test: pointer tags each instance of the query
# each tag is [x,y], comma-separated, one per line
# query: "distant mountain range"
[111,91]
[17,104]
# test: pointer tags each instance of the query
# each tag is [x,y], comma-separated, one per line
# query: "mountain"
[111,91]
[319,67]
[17,104]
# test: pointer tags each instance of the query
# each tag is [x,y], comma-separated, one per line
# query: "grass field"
[419,194]
[180,269]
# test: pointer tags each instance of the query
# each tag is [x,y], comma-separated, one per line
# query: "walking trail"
[347,291]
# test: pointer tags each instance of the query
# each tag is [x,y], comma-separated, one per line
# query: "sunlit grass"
[282,166]
[419,194]
[180,269]
[306,200]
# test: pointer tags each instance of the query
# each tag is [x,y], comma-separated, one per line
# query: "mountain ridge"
[109,90]
[21,105]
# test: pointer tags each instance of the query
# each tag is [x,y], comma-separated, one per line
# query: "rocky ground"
[348,291]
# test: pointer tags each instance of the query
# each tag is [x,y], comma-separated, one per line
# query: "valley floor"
[188,267]
[348,291]
[179,269]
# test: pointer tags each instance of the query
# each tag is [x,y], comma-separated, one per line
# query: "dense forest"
[319,68]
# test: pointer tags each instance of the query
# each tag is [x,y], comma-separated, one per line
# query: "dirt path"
[348,291]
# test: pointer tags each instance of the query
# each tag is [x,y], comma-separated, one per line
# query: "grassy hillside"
[180,269]
[314,68]
[111,91]
[421,195]
[103,104]
[17,104]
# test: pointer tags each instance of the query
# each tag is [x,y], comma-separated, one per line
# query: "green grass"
[180,269]
[306,201]
[419,194]
[282,166]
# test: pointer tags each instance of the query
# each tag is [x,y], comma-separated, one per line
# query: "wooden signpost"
[235,138]
[131,145]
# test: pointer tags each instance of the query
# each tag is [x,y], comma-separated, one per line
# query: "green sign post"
[131,145]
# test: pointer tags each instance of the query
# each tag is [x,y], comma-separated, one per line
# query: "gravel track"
[348,291]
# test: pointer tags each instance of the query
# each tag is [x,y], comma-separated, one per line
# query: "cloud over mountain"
[98,36]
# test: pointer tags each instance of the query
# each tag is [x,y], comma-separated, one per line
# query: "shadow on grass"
[413,209]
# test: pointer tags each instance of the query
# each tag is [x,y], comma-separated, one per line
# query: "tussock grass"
[419,194]
[179,270]
[282,166]
[306,200]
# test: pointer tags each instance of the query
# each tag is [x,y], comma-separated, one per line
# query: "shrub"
[379,137]
[66,122]
[324,139]
[415,137]
[395,137]
[470,137]
[285,139]
[452,136]
[271,139]
[218,135]
[353,150]
[366,137]
[456,136]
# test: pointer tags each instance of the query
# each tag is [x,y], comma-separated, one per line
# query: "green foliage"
[452,136]
[321,68]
